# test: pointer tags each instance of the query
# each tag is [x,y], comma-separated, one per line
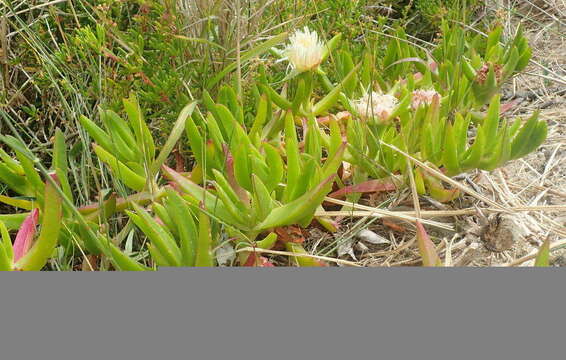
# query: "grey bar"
[398,313]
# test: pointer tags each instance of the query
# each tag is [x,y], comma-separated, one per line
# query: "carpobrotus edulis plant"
[254,180]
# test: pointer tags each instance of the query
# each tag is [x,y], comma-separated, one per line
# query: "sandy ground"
[540,178]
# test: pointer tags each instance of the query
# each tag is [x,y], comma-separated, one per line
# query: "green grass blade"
[245,56]
[60,163]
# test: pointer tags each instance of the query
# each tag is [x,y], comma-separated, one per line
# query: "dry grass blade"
[370,211]
[39,6]
[287,253]
[443,177]
[414,192]
[446,213]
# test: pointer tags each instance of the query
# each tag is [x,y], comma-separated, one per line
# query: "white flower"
[423,97]
[305,50]
[376,105]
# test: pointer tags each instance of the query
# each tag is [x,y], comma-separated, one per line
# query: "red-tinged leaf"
[286,234]
[417,76]
[433,66]
[258,261]
[543,254]
[426,247]
[52,214]
[250,261]
[508,106]
[25,235]
[231,177]
[371,186]
[264,262]
[328,224]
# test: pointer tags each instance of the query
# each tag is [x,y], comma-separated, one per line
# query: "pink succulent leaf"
[258,260]
[25,235]
[264,262]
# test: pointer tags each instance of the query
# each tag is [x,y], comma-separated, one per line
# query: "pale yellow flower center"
[376,106]
[305,50]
